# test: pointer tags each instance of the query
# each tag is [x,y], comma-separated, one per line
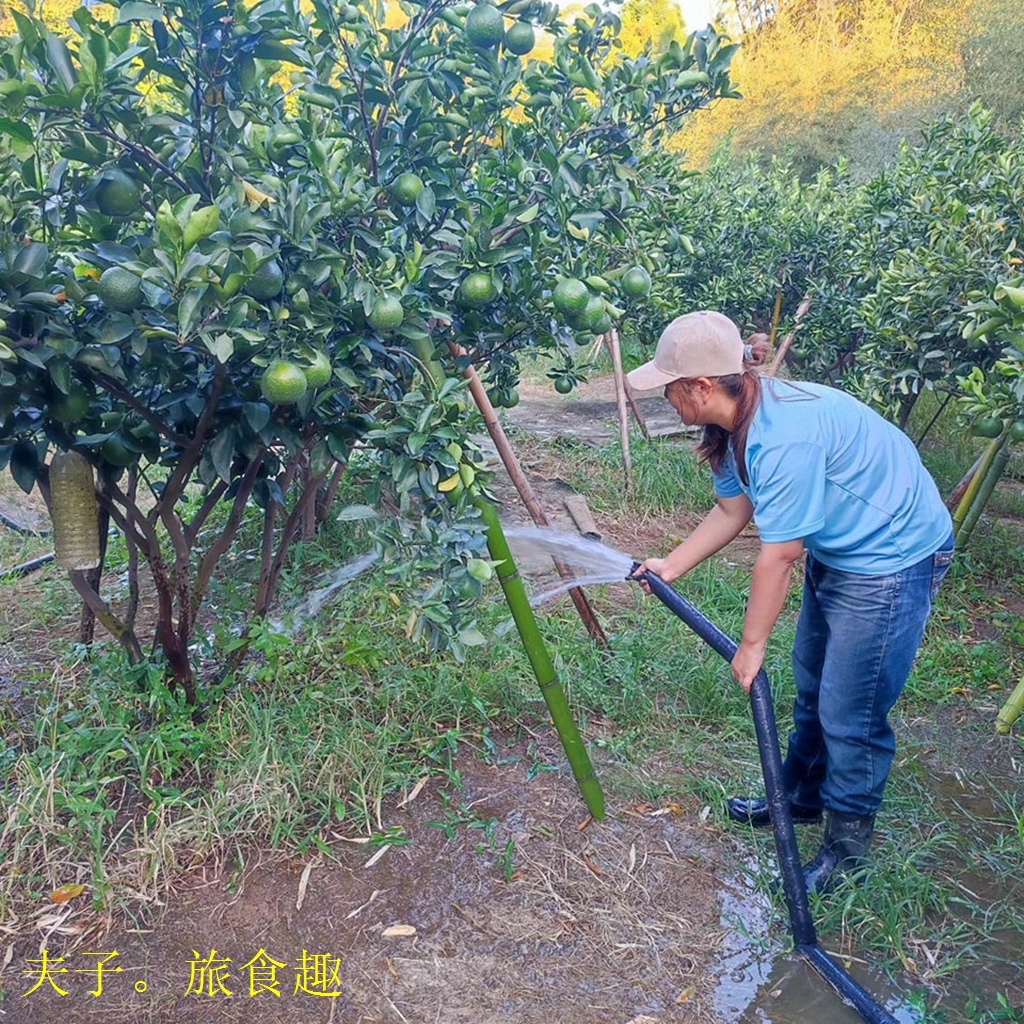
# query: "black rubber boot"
[844,849]
[755,811]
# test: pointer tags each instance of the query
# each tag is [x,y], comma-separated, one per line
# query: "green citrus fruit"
[478,289]
[520,38]
[512,398]
[407,187]
[387,313]
[602,325]
[318,372]
[70,408]
[563,385]
[283,382]
[636,282]
[988,426]
[1017,430]
[570,297]
[120,289]
[266,283]
[485,26]
[117,195]
[592,312]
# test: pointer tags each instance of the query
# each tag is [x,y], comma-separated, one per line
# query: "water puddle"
[761,981]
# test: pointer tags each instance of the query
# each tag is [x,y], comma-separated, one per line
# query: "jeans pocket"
[941,561]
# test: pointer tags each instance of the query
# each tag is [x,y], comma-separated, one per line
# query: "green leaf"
[32,259]
[116,327]
[222,348]
[24,465]
[201,224]
[137,11]
[426,202]
[60,60]
[17,130]
[472,637]
[355,513]
[257,415]
[222,452]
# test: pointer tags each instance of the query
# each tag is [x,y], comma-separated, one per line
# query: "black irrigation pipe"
[805,938]
[25,568]
[16,527]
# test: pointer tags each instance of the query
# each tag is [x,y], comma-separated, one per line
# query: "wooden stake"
[612,340]
[525,489]
[788,339]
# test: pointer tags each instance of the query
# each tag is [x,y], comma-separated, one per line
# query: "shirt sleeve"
[788,489]
[727,484]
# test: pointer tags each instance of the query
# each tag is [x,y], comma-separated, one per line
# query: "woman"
[821,475]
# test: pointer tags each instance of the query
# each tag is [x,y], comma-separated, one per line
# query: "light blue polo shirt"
[825,467]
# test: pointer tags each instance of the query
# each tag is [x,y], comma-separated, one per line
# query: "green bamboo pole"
[975,485]
[540,660]
[988,485]
[1011,710]
[529,631]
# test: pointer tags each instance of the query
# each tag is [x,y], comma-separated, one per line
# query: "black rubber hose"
[804,936]
[771,760]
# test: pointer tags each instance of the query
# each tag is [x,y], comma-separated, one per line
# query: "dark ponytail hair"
[745,389]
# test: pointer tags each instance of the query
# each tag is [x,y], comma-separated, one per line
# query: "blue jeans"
[856,640]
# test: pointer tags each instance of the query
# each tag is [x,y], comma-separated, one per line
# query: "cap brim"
[648,377]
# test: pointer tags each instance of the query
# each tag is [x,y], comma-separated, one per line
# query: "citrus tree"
[238,235]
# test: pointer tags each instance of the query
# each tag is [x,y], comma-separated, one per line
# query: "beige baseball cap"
[702,344]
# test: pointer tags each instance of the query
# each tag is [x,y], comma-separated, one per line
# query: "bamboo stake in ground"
[775,317]
[522,485]
[788,339]
[967,501]
[958,492]
[522,613]
[1012,709]
[612,341]
[988,485]
[540,660]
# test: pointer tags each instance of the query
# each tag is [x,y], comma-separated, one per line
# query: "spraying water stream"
[600,563]
[295,618]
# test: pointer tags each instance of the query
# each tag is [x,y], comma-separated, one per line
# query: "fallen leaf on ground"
[687,994]
[304,882]
[65,893]
[414,792]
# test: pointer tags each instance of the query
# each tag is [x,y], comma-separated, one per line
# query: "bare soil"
[508,903]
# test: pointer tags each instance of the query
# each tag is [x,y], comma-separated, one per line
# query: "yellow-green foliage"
[56,14]
[833,77]
[654,21]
